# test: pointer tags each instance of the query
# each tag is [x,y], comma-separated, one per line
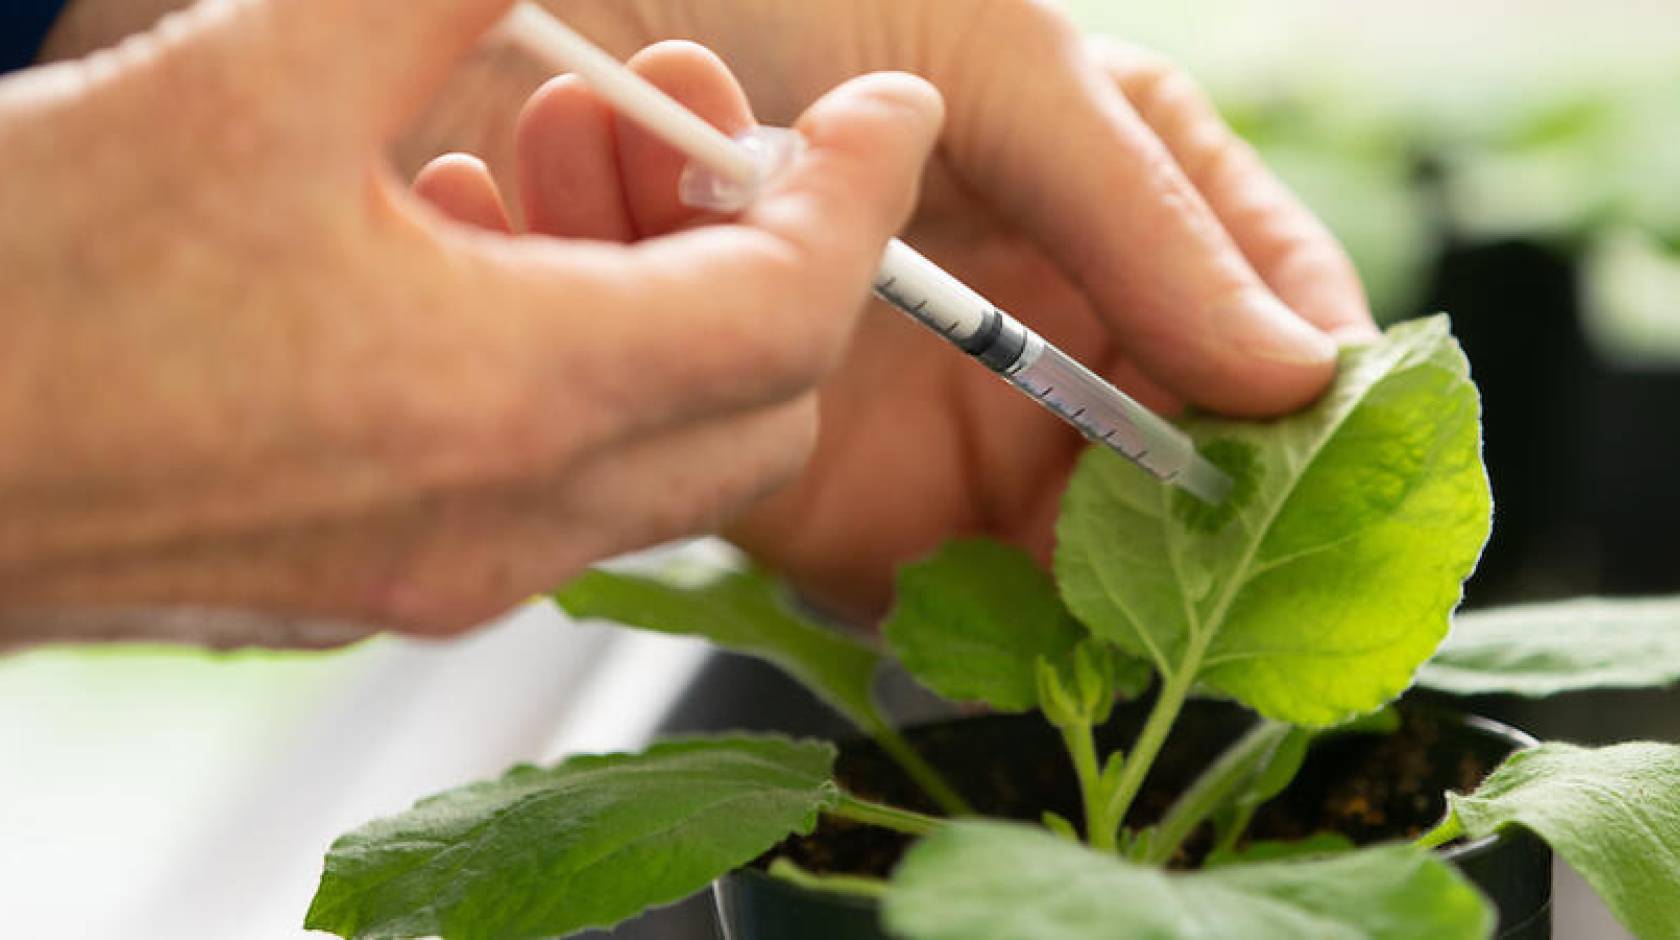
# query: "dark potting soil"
[1366,787]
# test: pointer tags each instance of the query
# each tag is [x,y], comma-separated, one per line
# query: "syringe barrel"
[924,290]
[1103,413]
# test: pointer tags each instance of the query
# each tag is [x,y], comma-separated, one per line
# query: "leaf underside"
[1000,881]
[1612,813]
[1545,649]
[1316,592]
[744,611]
[588,842]
[1268,850]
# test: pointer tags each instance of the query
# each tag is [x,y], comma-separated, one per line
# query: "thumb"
[725,318]
[383,58]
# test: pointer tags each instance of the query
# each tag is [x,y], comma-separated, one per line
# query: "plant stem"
[1216,785]
[859,885]
[1448,830]
[918,769]
[1082,747]
[1228,839]
[909,822]
[1154,734]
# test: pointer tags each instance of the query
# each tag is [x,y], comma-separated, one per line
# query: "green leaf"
[1385,720]
[1317,845]
[971,621]
[1280,767]
[1318,588]
[1613,813]
[999,881]
[586,843]
[1279,771]
[745,611]
[1270,778]
[1544,649]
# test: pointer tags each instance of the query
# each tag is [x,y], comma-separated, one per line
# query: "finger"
[698,79]
[1072,164]
[808,248]
[456,560]
[460,186]
[471,558]
[568,164]
[696,478]
[1290,248]
[731,317]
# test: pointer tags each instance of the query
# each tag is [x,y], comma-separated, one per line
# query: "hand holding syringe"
[355,409]
[728,174]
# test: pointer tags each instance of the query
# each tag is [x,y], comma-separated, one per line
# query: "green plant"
[1313,596]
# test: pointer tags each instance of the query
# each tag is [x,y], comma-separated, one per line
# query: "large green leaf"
[1613,813]
[1317,845]
[998,881]
[1327,578]
[972,621]
[1544,649]
[745,611]
[589,842]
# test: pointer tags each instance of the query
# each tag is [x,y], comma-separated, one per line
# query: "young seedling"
[1313,597]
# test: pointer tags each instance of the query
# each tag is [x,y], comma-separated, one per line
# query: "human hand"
[245,369]
[1087,187]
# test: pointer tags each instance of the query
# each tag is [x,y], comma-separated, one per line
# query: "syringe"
[728,173]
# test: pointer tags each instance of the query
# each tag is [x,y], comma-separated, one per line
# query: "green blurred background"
[1417,126]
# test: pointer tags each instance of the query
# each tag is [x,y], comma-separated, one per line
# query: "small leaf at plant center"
[971,622]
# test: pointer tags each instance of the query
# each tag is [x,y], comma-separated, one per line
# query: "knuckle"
[1305,255]
[1216,159]
[1166,96]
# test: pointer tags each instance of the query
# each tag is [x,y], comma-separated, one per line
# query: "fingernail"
[1260,325]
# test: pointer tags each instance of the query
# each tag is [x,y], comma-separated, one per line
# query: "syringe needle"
[907,280]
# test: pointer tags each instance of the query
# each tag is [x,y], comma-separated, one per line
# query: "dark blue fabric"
[23,27]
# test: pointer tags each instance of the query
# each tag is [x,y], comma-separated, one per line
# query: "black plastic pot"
[994,758]
[1580,446]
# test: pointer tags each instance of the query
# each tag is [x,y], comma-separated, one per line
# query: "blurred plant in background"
[1412,127]
[1519,167]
